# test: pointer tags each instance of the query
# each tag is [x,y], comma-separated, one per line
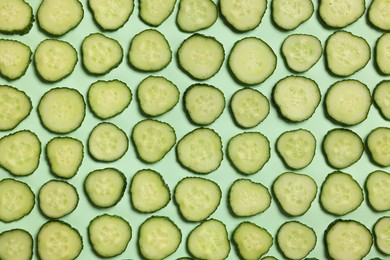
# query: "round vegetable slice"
[16,244]
[377,187]
[381,97]
[382,235]
[378,14]
[195,15]
[154,12]
[378,143]
[15,57]
[16,17]
[338,14]
[289,14]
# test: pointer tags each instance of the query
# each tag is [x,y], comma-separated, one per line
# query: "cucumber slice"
[248,152]
[197,198]
[195,15]
[16,200]
[109,235]
[381,98]
[296,148]
[61,110]
[301,51]
[111,15]
[201,56]
[203,103]
[149,51]
[378,143]
[251,240]
[248,198]
[54,59]
[159,237]
[348,102]
[377,187]
[209,240]
[109,98]
[16,244]
[382,234]
[154,13]
[57,199]
[157,95]
[378,14]
[339,14]
[200,151]
[346,53]
[288,14]
[15,57]
[382,56]
[148,191]
[340,194]
[294,192]
[153,139]
[16,17]
[107,142]
[251,61]
[243,16]
[15,106]
[20,152]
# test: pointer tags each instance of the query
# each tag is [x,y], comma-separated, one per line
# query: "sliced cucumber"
[16,200]
[378,143]
[16,244]
[381,97]
[248,198]
[15,57]
[154,13]
[251,60]
[15,106]
[201,56]
[377,187]
[16,17]
[203,103]
[109,98]
[197,198]
[61,110]
[378,14]
[339,14]
[159,237]
[195,15]
[289,14]
[382,234]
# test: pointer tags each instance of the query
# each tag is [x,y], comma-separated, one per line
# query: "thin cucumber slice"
[197,198]
[248,198]
[382,53]
[16,17]
[203,103]
[61,110]
[20,152]
[196,15]
[148,191]
[378,143]
[378,14]
[15,57]
[301,51]
[382,234]
[243,16]
[249,152]
[111,15]
[339,14]
[381,98]
[108,99]
[377,186]
[159,237]
[16,244]
[109,235]
[154,13]
[201,56]
[296,148]
[16,200]
[157,95]
[251,60]
[288,14]
[294,192]
[348,102]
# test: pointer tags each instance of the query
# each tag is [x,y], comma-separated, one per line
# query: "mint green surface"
[172,172]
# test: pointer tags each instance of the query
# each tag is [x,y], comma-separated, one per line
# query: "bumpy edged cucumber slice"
[16,17]
[157,95]
[378,14]
[378,143]
[148,191]
[243,16]
[153,139]
[15,57]
[381,98]
[158,238]
[196,15]
[382,53]
[109,235]
[301,51]
[16,200]
[294,192]
[209,240]
[382,234]
[108,98]
[54,59]
[57,17]
[111,15]
[377,186]
[61,110]
[347,239]
[339,14]
[346,53]
[289,14]
[197,198]
[203,103]
[57,198]
[149,51]
[248,198]
[154,13]
[107,142]
[201,56]
[200,150]
[20,152]
[348,102]
[251,61]
[16,244]
[340,194]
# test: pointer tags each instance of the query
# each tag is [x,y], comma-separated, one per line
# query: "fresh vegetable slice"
[16,17]
[381,98]
[195,15]
[289,14]
[15,57]
[339,14]
[16,243]
[382,234]
[154,13]
[377,186]
[378,143]
[111,15]
[378,14]
[382,57]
